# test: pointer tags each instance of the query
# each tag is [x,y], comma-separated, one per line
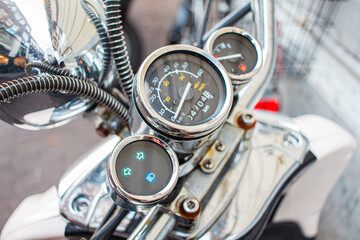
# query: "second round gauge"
[183,88]
[237,51]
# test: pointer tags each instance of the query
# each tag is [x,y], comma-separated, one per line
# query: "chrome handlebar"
[250,94]
[265,33]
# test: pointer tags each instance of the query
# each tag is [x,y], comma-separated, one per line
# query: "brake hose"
[118,45]
[55,83]
[100,29]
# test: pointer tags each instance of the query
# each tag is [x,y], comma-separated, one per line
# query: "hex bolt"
[190,207]
[248,118]
[208,164]
[246,121]
[220,147]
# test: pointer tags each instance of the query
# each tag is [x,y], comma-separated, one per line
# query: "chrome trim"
[251,182]
[79,170]
[186,147]
[242,78]
[85,179]
[263,167]
[245,184]
[117,191]
[250,94]
[156,224]
[157,122]
[55,32]
[265,28]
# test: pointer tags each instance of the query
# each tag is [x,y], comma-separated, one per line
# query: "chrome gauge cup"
[142,171]
[237,51]
[181,93]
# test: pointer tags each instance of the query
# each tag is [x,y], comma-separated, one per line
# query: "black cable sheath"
[204,22]
[104,39]
[55,83]
[229,20]
[106,231]
[108,215]
[118,45]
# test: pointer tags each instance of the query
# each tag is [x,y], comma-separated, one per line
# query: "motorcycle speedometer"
[238,52]
[183,92]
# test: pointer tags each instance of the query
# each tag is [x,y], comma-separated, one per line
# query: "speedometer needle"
[187,89]
[230,57]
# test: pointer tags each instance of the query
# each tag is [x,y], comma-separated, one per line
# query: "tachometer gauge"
[237,51]
[182,92]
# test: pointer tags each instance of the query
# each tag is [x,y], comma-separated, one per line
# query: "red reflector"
[269,104]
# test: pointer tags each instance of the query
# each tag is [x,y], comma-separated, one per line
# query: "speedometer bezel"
[240,78]
[159,123]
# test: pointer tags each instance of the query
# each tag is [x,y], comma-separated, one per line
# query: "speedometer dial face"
[182,91]
[184,88]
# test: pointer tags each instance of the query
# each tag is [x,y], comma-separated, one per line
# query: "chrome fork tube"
[157,224]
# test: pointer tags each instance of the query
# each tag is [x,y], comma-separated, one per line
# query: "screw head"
[81,204]
[190,208]
[220,147]
[208,164]
[82,207]
[246,120]
[191,205]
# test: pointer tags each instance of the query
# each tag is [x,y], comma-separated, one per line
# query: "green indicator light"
[140,156]
[126,171]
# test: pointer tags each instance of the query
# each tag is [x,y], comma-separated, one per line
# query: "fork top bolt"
[246,121]
[190,208]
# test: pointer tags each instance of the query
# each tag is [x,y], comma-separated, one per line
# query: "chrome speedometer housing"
[178,125]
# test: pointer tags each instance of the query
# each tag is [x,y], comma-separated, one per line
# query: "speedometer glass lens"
[237,54]
[181,92]
[184,88]
[237,51]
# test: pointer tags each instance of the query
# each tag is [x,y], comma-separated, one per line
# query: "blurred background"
[318,72]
